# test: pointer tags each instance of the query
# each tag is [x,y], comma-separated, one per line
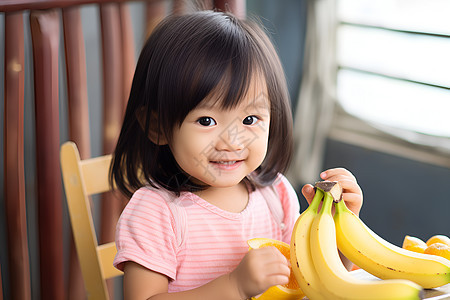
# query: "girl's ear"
[154,132]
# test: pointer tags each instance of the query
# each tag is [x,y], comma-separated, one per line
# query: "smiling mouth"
[228,164]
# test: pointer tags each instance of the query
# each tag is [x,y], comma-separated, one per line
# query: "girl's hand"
[352,193]
[260,269]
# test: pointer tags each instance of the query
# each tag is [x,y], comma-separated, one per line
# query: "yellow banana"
[334,276]
[383,259]
[301,261]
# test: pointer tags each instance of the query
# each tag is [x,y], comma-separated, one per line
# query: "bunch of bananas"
[317,266]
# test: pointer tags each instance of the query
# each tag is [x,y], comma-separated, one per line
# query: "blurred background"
[369,84]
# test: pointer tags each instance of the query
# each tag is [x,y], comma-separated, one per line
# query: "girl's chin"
[220,181]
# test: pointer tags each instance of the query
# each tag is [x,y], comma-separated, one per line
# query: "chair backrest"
[45,66]
[83,178]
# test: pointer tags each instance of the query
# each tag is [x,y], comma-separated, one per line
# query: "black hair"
[182,62]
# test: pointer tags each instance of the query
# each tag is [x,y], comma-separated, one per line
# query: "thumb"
[308,192]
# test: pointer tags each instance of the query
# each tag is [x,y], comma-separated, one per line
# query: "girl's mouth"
[226,165]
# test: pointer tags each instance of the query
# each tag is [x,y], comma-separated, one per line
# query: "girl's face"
[219,147]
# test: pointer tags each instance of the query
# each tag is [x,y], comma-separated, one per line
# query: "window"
[394,64]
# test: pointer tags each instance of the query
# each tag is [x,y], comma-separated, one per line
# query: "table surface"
[439,293]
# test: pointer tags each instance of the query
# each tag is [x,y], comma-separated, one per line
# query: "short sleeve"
[145,234]
[290,204]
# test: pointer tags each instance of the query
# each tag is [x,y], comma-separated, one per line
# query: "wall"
[285,22]
[401,196]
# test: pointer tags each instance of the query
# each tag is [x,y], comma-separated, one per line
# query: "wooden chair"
[83,178]
[33,75]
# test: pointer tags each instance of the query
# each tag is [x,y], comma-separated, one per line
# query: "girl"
[205,138]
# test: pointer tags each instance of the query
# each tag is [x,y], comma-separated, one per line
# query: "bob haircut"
[186,59]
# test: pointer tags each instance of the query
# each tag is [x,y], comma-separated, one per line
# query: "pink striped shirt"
[192,241]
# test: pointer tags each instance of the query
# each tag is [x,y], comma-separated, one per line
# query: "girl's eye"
[206,121]
[250,120]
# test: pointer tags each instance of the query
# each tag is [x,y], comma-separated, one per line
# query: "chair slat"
[237,7]
[128,59]
[112,74]
[95,173]
[82,221]
[1,286]
[107,252]
[45,28]
[111,206]
[14,185]
[77,98]
[155,11]
[77,94]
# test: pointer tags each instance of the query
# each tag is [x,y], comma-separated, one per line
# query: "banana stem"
[331,187]
[340,207]
[314,206]
[327,204]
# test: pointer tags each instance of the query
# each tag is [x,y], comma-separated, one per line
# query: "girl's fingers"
[308,192]
[353,201]
[277,280]
[349,185]
[277,269]
[352,193]
[271,255]
[341,177]
[350,198]
[326,175]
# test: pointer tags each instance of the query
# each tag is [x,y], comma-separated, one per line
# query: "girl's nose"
[231,140]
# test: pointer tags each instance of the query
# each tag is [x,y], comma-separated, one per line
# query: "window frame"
[350,129]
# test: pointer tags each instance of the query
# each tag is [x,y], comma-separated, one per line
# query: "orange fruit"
[414,244]
[439,238]
[439,249]
[289,291]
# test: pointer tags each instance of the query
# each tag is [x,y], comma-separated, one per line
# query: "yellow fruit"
[289,291]
[439,238]
[414,244]
[439,249]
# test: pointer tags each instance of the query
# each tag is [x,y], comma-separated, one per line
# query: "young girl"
[206,136]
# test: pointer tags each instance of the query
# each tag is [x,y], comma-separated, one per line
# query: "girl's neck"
[232,199]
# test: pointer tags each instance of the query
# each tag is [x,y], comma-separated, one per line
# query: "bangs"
[232,89]
[218,66]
